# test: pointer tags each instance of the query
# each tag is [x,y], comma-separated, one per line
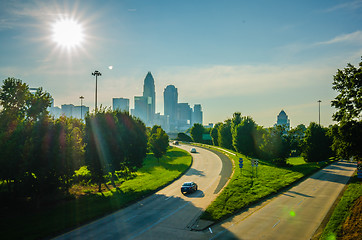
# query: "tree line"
[40,154]
[315,142]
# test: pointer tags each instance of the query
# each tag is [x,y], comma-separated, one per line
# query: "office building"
[121,104]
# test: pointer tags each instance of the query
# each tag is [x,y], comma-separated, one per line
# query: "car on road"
[193,150]
[176,143]
[188,187]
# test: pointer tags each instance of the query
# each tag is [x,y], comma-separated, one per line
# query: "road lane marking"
[276,223]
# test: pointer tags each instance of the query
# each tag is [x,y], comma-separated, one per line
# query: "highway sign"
[240,163]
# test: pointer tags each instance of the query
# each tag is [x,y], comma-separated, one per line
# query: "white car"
[193,150]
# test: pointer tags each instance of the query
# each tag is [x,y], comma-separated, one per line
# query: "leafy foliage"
[317,144]
[114,141]
[244,137]
[196,132]
[158,141]
[348,83]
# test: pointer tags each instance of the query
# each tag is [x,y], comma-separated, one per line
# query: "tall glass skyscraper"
[150,94]
[170,99]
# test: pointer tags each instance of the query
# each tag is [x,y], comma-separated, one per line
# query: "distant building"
[196,115]
[121,104]
[183,116]
[150,94]
[282,120]
[170,100]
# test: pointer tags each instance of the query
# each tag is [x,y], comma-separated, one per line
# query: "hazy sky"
[253,57]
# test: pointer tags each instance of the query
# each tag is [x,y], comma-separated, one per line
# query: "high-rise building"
[140,108]
[282,120]
[196,115]
[121,104]
[170,99]
[150,94]
[183,116]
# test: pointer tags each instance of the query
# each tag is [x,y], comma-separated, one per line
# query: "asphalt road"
[294,214]
[167,214]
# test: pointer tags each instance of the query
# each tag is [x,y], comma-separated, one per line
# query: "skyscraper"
[150,94]
[121,104]
[196,114]
[282,120]
[170,99]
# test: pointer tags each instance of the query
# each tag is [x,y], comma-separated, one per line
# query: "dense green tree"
[158,142]
[214,133]
[236,120]
[224,135]
[347,139]
[316,144]
[115,141]
[276,145]
[347,134]
[184,137]
[196,132]
[348,83]
[296,136]
[244,137]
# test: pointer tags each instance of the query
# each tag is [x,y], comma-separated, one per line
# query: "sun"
[67,33]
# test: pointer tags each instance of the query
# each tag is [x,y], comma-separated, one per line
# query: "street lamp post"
[81,107]
[319,111]
[96,73]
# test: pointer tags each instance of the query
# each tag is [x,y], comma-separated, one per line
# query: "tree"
[115,141]
[244,137]
[348,83]
[296,136]
[214,133]
[158,142]
[196,132]
[224,135]
[316,144]
[184,137]
[347,134]
[276,145]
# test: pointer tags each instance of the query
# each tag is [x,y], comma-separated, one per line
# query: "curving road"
[166,214]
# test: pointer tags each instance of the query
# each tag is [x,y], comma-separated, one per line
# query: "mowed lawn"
[53,220]
[251,184]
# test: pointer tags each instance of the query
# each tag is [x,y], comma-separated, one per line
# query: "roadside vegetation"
[345,221]
[251,184]
[89,204]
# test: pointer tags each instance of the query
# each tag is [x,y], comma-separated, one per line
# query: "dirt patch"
[352,227]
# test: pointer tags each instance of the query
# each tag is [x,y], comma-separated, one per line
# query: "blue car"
[188,187]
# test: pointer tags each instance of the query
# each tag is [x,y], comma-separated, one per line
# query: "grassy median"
[52,220]
[252,184]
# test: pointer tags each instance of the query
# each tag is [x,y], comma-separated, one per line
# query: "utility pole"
[81,107]
[319,112]
[96,73]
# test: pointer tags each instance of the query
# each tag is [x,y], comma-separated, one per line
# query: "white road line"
[276,223]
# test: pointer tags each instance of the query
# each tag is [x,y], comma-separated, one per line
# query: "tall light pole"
[96,73]
[81,107]
[319,112]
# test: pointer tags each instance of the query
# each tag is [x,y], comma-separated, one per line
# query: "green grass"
[53,220]
[246,188]
[342,210]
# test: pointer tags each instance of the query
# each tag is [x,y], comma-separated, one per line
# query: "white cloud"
[355,37]
[347,5]
[216,81]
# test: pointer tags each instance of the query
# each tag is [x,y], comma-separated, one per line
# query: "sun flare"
[67,33]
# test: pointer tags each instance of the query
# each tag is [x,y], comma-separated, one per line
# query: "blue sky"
[253,57]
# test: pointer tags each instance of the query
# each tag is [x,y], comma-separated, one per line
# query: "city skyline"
[235,56]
